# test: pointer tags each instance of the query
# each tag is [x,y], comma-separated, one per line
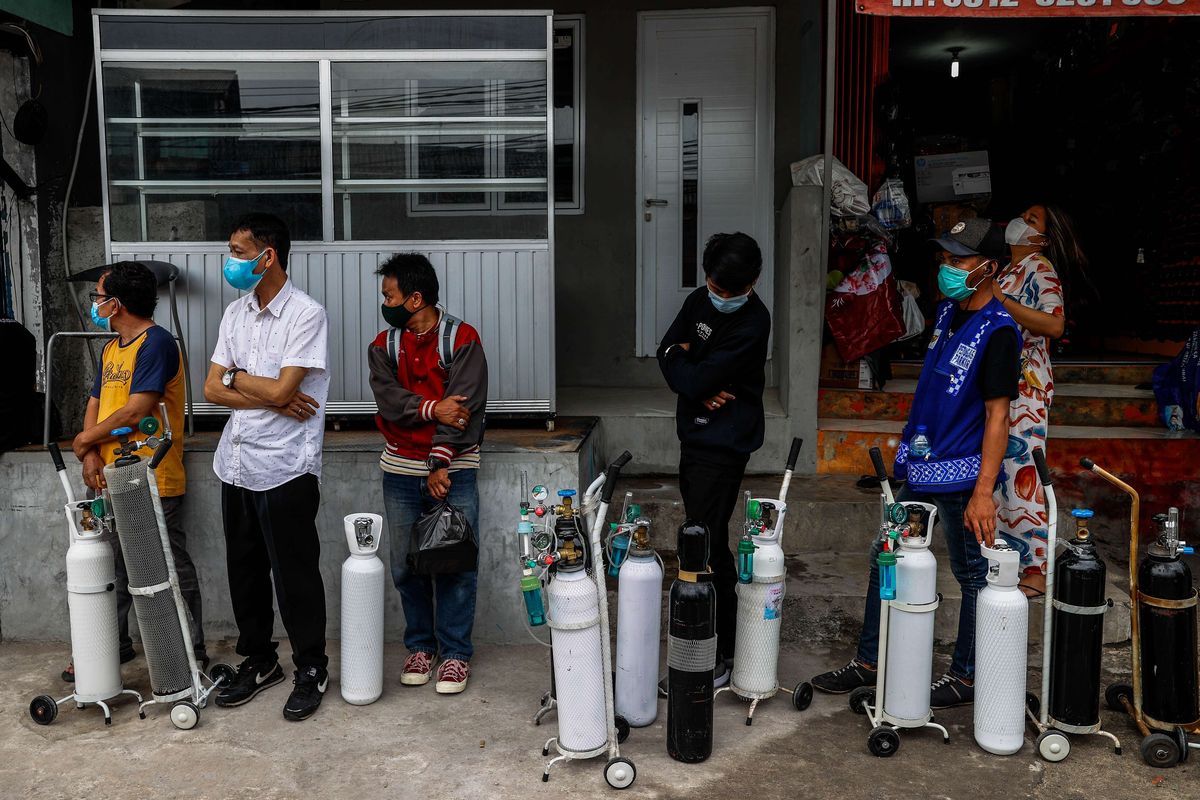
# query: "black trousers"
[710,494]
[270,537]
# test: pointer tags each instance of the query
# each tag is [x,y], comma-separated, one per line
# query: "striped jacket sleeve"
[468,378]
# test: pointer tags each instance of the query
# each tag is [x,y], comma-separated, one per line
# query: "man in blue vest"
[962,399]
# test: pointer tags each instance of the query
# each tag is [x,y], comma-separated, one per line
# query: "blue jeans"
[439,610]
[969,568]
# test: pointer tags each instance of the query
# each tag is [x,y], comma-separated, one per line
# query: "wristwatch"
[227,378]
[433,463]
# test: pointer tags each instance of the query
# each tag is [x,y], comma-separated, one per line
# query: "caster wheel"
[883,742]
[1053,745]
[1114,693]
[1181,739]
[185,715]
[802,696]
[1160,751]
[222,674]
[862,697]
[620,773]
[43,709]
[622,728]
[1033,703]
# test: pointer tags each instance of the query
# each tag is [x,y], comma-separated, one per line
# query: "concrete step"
[1125,372]
[1074,404]
[1154,456]
[825,600]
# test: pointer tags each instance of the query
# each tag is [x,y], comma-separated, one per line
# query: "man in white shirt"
[270,367]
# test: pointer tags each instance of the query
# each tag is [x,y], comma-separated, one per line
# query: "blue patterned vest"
[948,402]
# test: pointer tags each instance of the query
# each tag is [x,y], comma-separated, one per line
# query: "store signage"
[1029,8]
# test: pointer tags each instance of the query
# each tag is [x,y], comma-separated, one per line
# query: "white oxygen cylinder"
[759,614]
[639,626]
[93,608]
[910,632]
[573,617]
[363,584]
[1001,638]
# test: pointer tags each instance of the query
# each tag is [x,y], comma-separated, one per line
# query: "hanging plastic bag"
[890,205]
[443,542]
[849,195]
[864,311]
[914,320]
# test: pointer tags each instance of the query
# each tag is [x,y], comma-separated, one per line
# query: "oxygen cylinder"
[1001,637]
[1078,632]
[760,604]
[1168,634]
[910,632]
[578,672]
[363,583]
[639,623]
[93,609]
[691,650]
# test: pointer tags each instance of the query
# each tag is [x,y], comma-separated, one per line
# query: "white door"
[706,117]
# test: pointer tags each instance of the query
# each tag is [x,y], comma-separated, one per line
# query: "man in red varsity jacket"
[429,376]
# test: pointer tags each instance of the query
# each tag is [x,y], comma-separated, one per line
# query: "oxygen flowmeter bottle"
[918,447]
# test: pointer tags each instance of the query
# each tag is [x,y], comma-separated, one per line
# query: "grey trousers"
[189,583]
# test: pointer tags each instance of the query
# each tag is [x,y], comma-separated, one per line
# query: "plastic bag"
[864,311]
[443,542]
[890,205]
[849,195]
[1177,387]
[914,320]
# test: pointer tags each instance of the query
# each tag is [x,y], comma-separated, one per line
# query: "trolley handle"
[56,456]
[610,476]
[1043,471]
[160,453]
[877,461]
[794,454]
[1087,463]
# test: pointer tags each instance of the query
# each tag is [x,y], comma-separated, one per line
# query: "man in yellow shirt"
[139,368]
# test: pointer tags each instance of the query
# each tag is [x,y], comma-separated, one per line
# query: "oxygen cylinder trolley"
[908,600]
[92,603]
[1001,646]
[363,585]
[1163,700]
[175,676]
[577,614]
[1072,634]
[762,576]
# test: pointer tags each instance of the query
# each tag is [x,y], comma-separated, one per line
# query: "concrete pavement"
[413,743]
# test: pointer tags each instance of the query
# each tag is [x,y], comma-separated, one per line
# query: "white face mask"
[1020,233]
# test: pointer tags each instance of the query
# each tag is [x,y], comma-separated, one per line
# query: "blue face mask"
[953,282]
[727,305]
[239,272]
[100,322]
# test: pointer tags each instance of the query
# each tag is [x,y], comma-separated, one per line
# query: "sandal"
[1031,592]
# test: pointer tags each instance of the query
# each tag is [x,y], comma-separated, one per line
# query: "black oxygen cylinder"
[1169,679]
[691,650]
[1078,633]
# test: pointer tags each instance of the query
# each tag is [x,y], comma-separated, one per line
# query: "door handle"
[651,202]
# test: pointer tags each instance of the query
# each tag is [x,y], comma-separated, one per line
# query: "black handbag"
[443,542]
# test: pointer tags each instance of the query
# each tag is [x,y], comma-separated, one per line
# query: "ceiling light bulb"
[954,68]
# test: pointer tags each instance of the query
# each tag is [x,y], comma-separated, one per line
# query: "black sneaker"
[253,676]
[845,679]
[949,691]
[306,697]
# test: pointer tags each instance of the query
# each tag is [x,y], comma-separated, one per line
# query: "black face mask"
[397,316]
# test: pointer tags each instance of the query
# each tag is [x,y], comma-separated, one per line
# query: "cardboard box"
[948,177]
[839,374]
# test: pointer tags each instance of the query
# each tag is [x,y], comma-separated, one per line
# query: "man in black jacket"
[714,358]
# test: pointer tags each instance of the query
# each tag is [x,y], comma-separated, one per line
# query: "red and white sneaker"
[452,676]
[417,669]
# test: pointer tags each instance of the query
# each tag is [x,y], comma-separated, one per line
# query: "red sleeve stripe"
[443,452]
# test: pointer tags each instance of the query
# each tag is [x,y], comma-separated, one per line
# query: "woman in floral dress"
[1030,289]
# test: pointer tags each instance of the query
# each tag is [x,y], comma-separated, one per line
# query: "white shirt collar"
[277,302]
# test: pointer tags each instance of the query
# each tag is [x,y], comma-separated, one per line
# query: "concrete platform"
[481,745]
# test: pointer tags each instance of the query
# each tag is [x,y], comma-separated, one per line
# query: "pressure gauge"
[541,541]
[897,513]
[540,493]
